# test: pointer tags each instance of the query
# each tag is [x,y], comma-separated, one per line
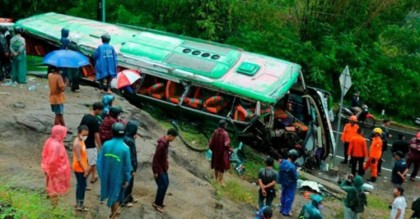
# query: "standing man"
[375,153]
[105,63]
[414,156]
[114,168]
[220,146]
[399,204]
[385,139]
[266,181]
[349,131]
[71,73]
[160,166]
[400,145]
[130,141]
[400,170]
[93,142]
[355,200]
[288,177]
[358,152]
[57,86]
[18,54]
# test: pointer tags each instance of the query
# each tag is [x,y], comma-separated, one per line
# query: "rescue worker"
[311,210]
[358,152]
[105,63]
[288,177]
[375,153]
[114,169]
[414,156]
[18,54]
[349,131]
[385,136]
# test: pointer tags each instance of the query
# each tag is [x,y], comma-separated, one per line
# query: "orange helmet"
[353,118]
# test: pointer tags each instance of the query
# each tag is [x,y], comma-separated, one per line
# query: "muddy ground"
[25,123]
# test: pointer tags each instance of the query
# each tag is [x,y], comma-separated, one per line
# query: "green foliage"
[378,39]
[29,204]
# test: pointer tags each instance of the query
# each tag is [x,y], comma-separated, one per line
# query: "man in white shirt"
[399,204]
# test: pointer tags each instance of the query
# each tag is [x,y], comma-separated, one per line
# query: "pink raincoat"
[55,162]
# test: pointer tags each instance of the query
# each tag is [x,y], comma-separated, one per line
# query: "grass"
[234,190]
[29,204]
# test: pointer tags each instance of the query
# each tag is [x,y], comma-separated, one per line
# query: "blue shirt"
[288,175]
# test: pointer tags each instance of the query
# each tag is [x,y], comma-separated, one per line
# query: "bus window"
[153,86]
[244,110]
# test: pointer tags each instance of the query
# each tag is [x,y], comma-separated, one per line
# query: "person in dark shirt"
[356,104]
[130,141]
[267,178]
[160,166]
[399,171]
[400,145]
[93,139]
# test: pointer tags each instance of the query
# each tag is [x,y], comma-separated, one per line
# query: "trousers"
[287,198]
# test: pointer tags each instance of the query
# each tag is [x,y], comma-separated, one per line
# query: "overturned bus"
[264,98]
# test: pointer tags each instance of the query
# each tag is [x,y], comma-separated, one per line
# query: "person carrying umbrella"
[105,63]
[18,54]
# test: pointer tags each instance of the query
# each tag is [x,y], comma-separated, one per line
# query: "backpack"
[357,204]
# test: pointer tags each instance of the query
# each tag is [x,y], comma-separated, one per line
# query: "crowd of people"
[357,156]
[12,55]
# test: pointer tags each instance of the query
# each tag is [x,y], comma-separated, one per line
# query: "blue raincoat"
[288,177]
[105,61]
[114,169]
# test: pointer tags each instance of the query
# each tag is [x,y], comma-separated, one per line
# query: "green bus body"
[245,74]
[272,89]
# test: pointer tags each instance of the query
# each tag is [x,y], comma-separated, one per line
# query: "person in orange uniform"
[358,152]
[81,167]
[349,131]
[375,153]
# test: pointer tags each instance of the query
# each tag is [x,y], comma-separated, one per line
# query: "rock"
[19,105]
[38,123]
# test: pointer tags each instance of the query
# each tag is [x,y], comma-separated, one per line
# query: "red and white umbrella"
[125,78]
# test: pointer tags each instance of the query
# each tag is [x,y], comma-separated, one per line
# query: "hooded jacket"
[160,159]
[357,185]
[310,210]
[130,141]
[107,103]
[105,61]
[55,162]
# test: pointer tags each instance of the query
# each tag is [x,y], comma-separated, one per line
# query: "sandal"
[158,208]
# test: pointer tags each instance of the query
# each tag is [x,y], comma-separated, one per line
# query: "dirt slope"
[25,123]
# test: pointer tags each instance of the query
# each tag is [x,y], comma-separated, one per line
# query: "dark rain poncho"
[114,169]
